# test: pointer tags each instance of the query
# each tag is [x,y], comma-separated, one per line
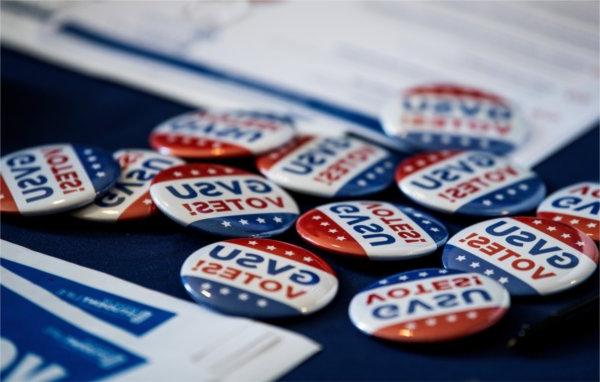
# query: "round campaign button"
[429,305]
[372,229]
[223,200]
[222,134]
[260,278]
[329,166]
[530,256]
[577,205]
[474,183]
[438,117]
[54,178]
[129,198]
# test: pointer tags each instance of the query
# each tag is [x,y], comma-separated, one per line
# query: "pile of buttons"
[459,137]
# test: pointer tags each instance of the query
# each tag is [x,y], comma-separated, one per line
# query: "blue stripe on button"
[78,31]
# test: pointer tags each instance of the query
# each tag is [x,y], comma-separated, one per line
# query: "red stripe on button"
[419,162]
[316,228]
[142,207]
[196,170]
[7,202]
[285,250]
[590,227]
[266,161]
[563,233]
[442,327]
[456,91]
[194,147]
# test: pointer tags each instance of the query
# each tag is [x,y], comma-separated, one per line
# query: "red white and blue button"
[474,183]
[54,178]
[438,117]
[223,200]
[129,198]
[259,278]
[577,205]
[429,305]
[372,229]
[329,166]
[529,256]
[222,134]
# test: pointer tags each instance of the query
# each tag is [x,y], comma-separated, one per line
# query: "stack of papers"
[61,320]
[332,65]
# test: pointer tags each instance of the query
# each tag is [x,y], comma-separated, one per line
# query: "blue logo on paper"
[132,316]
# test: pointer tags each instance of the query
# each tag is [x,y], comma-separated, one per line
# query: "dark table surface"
[42,103]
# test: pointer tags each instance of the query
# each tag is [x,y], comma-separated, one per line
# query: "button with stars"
[577,205]
[223,200]
[473,183]
[372,229]
[340,166]
[530,256]
[438,117]
[259,278]
[429,305]
[129,198]
[222,134]
[54,178]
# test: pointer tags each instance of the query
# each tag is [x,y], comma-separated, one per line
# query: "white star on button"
[271,247]
[177,174]
[289,253]
[503,280]
[307,259]
[489,272]
[224,291]
[340,238]
[422,274]
[403,278]
[225,223]
[316,217]
[277,219]
[472,315]
[474,264]
[252,242]
[461,258]
[243,221]
[262,303]
[431,322]
[147,201]
[260,220]
[243,296]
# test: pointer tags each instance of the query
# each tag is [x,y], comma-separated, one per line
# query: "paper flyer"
[61,321]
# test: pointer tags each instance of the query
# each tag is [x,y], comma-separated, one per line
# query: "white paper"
[354,55]
[176,340]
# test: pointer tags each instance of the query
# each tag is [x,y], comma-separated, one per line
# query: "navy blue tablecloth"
[42,103]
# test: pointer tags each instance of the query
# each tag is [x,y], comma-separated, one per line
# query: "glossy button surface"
[54,178]
[372,229]
[474,183]
[129,198]
[437,117]
[223,200]
[530,256]
[429,305]
[329,166]
[222,134]
[577,205]
[260,278]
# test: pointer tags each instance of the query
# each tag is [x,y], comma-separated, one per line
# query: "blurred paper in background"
[334,65]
